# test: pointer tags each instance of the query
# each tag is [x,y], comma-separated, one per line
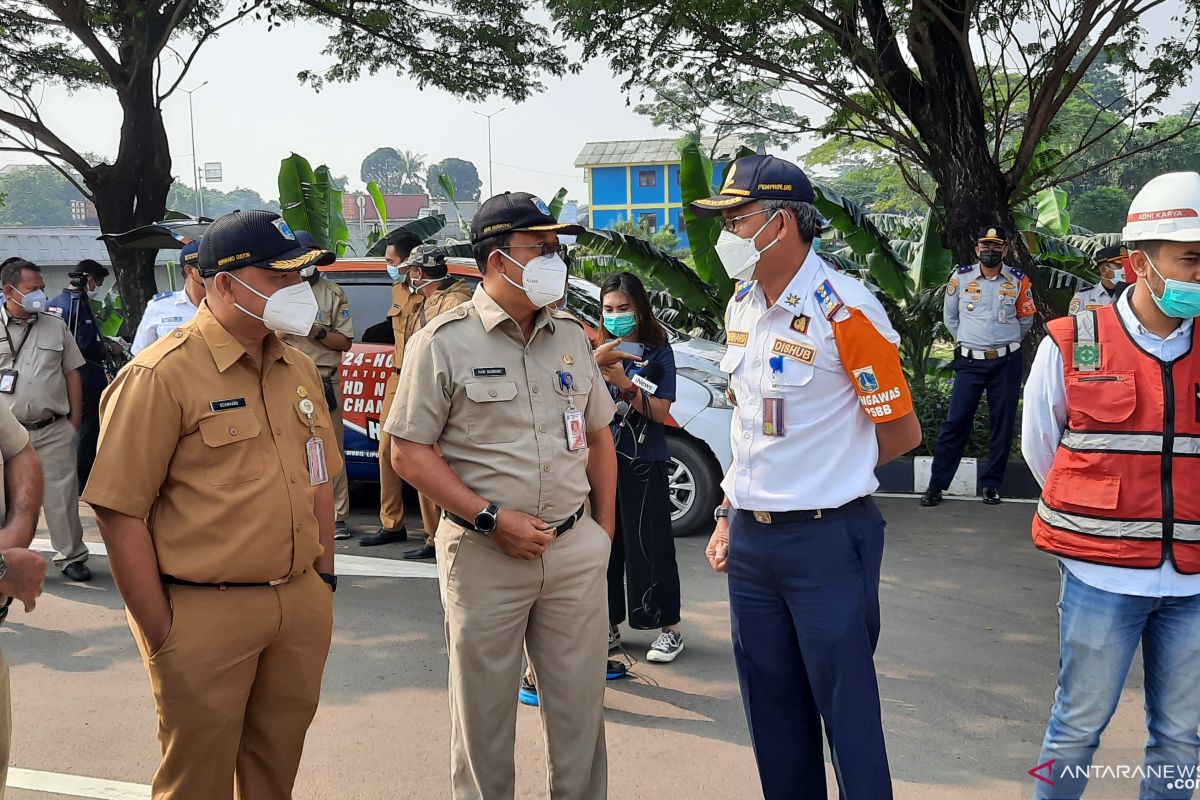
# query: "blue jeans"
[1099,634]
[804,603]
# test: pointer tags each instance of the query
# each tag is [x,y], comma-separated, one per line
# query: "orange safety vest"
[1125,486]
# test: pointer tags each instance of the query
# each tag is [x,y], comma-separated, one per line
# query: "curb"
[910,475]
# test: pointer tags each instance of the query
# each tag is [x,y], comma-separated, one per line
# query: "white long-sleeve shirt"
[1042,424]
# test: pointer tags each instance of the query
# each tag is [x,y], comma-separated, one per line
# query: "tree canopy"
[462,174]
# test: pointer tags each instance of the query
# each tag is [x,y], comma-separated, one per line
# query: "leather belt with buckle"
[171,579]
[989,355]
[810,515]
[563,528]
[41,423]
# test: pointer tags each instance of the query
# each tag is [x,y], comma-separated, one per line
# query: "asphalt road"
[967,663]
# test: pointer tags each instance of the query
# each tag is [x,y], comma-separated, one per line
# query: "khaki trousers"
[55,446]
[341,486]
[5,722]
[555,607]
[391,487]
[236,684]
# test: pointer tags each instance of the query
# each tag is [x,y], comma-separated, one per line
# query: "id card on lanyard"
[772,402]
[572,417]
[8,377]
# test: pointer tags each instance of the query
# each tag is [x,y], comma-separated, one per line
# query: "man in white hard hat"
[1112,430]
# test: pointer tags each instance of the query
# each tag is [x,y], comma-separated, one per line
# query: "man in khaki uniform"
[22,571]
[509,391]
[40,382]
[212,492]
[436,293]
[404,307]
[332,334]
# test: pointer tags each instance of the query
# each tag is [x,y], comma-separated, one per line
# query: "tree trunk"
[132,191]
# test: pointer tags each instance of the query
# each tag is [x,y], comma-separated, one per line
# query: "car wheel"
[693,483]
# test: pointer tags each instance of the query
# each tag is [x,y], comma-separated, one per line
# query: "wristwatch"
[485,521]
[322,332]
[720,513]
[330,579]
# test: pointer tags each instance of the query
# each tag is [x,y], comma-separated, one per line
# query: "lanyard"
[8,336]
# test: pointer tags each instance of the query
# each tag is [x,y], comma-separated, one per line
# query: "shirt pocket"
[492,416]
[1008,308]
[1104,397]
[795,374]
[48,358]
[732,358]
[232,452]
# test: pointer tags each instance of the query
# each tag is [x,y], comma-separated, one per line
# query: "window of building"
[78,210]
[649,221]
[647,178]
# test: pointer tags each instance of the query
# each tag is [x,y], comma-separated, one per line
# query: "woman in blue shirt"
[642,565]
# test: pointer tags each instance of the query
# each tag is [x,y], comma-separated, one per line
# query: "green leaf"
[172,214]
[932,260]
[675,275]
[556,205]
[448,186]
[380,203]
[299,205]
[1053,217]
[865,239]
[695,183]
[425,228]
[335,219]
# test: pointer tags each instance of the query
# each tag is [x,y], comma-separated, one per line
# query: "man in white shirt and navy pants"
[1112,430]
[821,400]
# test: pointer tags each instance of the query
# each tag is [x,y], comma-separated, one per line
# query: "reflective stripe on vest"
[1121,489]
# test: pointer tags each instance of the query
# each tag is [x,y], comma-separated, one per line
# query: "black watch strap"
[485,521]
[330,579]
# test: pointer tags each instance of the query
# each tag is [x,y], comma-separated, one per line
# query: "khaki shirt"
[333,314]
[210,451]
[38,349]
[13,439]
[436,304]
[404,307]
[495,405]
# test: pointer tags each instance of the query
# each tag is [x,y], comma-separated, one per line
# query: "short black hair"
[93,268]
[483,249]
[10,272]
[1151,248]
[403,242]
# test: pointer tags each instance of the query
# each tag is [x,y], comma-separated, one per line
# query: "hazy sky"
[254,112]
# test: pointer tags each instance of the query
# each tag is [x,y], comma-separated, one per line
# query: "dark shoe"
[931,497]
[78,572]
[341,530]
[527,694]
[384,537]
[614,670]
[424,551]
[991,497]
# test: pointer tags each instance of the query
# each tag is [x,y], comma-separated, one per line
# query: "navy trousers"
[804,601]
[1001,379]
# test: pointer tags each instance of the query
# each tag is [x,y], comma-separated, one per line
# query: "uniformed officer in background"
[332,334]
[821,401]
[74,307]
[22,571]
[212,492]
[400,245]
[436,292]
[527,477]
[1111,263]
[168,310]
[988,310]
[39,381]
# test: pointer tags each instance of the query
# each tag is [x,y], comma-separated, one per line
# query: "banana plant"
[310,202]
[452,194]
[377,231]
[424,229]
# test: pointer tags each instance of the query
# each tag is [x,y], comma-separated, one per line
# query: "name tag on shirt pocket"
[231,449]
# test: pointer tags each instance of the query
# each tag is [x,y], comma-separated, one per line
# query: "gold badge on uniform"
[568,359]
[800,323]
[302,391]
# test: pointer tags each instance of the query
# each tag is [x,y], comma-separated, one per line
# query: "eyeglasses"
[544,249]
[730,223]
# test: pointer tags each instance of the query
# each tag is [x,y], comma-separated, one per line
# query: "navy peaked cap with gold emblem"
[254,239]
[513,212]
[757,178]
[995,234]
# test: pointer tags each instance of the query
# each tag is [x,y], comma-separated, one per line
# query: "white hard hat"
[1166,209]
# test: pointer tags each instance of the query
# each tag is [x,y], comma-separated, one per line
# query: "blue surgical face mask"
[621,323]
[398,275]
[1180,299]
[35,301]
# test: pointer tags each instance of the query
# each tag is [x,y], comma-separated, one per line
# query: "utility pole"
[488,117]
[195,167]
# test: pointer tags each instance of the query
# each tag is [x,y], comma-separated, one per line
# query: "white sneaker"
[614,637]
[666,647]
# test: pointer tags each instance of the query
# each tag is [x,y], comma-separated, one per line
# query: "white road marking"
[76,785]
[910,496]
[347,566]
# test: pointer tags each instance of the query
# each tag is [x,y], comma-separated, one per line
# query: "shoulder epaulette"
[453,315]
[1016,272]
[162,295]
[159,348]
[965,268]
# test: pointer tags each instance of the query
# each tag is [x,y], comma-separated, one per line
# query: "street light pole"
[488,117]
[195,168]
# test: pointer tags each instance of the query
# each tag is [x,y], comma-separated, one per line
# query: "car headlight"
[715,382]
